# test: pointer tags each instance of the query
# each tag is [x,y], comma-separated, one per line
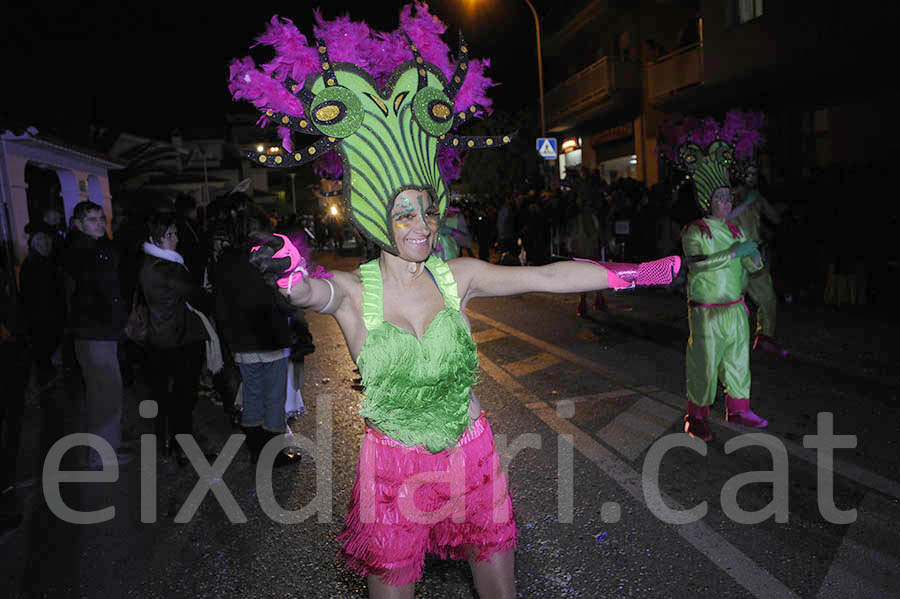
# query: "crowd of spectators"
[825,250]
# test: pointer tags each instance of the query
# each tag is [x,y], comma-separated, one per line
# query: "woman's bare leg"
[378,589]
[494,578]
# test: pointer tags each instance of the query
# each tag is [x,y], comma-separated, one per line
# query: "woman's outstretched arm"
[482,279]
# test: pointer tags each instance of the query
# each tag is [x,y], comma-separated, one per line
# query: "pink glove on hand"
[622,275]
[296,270]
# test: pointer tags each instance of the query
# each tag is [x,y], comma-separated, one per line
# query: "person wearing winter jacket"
[176,332]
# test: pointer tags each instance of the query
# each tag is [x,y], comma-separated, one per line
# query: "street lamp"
[540,63]
[537,35]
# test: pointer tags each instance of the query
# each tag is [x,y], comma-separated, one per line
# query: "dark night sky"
[150,69]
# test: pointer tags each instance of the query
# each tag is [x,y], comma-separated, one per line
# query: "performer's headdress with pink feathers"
[713,154]
[386,102]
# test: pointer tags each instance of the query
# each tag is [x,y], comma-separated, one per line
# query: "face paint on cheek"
[421,210]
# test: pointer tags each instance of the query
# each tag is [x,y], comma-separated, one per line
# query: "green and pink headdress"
[384,105]
[711,153]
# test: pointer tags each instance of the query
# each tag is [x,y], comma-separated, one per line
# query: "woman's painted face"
[415,222]
[169,239]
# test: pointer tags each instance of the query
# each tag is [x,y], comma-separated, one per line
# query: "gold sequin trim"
[489,141]
[298,156]
[303,123]
[471,143]
[325,66]
[278,160]
[322,49]
[311,150]
[455,142]
[330,82]
[464,49]
[285,120]
[464,66]
[262,158]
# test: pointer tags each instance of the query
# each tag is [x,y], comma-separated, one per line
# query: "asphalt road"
[582,409]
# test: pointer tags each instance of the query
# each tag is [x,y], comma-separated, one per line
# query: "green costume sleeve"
[693,246]
[750,266]
[712,262]
[717,278]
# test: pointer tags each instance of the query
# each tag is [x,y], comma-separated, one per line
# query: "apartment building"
[616,70]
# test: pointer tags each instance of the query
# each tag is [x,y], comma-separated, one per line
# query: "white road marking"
[614,394]
[635,429]
[487,335]
[531,364]
[841,467]
[723,554]
[868,560]
[550,348]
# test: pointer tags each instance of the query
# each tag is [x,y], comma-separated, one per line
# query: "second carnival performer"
[429,478]
[719,259]
[748,214]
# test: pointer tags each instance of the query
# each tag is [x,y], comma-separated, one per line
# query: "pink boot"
[738,411]
[695,422]
[625,276]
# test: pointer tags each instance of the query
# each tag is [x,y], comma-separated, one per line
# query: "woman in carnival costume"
[719,258]
[429,477]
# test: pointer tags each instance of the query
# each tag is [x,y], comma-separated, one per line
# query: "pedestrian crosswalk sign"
[546,147]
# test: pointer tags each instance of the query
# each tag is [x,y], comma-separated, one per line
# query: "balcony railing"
[589,87]
[675,71]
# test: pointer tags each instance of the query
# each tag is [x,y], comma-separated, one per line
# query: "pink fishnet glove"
[621,275]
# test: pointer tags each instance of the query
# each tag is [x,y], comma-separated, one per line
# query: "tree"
[504,170]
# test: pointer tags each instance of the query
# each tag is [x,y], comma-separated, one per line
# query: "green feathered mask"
[709,170]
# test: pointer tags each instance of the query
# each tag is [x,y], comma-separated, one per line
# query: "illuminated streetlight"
[540,62]
[334,210]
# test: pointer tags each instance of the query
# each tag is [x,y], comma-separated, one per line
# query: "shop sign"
[618,132]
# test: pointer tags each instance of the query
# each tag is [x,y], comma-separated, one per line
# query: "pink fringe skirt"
[408,502]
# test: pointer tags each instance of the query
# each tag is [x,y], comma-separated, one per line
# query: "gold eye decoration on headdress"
[336,111]
[433,110]
[690,156]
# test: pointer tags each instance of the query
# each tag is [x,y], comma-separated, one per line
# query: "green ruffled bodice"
[417,391]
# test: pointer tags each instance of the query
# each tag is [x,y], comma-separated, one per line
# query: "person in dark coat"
[176,332]
[254,320]
[44,307]
[96,320]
